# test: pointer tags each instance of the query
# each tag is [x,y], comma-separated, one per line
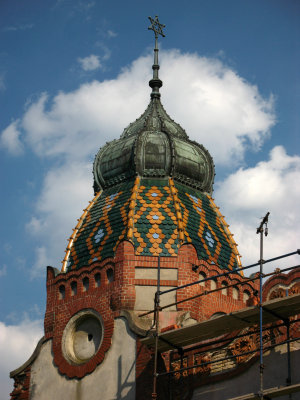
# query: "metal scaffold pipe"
[231,272]
[255,278]
[157,308]
[261,230]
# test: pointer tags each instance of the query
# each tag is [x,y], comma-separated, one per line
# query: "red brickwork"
[103,296]
[21,385]
[189,268]
[280,285]
[60,310]
[108,298]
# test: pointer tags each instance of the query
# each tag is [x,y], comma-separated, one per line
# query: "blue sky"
[74,73]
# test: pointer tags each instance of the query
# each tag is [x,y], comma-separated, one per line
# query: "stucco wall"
[114,379]
[275,374]
[145,298]
[151,273]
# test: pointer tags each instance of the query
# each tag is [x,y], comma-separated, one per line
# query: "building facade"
[153,206]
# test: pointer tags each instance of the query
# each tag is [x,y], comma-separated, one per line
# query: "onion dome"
[153,188]
[154,146]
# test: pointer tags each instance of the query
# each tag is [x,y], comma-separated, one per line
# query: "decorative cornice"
[30,360]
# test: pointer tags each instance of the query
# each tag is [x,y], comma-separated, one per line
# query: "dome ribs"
[132,206]
[102,226]
[155,229]
[75,231]
[207,229]
[235,262]
[177,205]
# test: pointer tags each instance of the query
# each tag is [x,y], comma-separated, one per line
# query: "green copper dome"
[154,146]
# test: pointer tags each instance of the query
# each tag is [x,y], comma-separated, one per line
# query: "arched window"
[225,289]
[217,314]
[85,284]
[97,278]
[202,275]
[213,284]
[246,295]
[61,292]
[235,293]
[73,288]
[110,275]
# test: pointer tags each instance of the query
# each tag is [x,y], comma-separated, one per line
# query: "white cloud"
[85,6]
[246,196]
[21,27]
[41,261]
[2,83]
[3,270]
[10,139]
[216,107]
[17,343]
[65,192]
[111,33]
[90,63]
[34,226]
[89,4]
[7,247]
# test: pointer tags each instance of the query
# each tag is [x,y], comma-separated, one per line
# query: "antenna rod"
[264,221]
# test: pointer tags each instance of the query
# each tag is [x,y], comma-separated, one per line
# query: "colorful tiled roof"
[206,229]
[101,228]
[157,216]
[155,222]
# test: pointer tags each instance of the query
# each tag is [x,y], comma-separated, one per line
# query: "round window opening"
[82,336]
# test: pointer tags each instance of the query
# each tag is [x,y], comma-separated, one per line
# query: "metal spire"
[155,82]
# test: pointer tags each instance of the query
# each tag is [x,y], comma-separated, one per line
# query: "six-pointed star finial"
[156,26]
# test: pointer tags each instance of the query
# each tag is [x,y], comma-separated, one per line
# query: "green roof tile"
[107,220]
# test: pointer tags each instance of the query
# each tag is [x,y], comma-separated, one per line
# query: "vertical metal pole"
[289,377]
[287,323]
[158,279]
[169,386]
[261,231]
[156,307]
[261,363]
[155,66]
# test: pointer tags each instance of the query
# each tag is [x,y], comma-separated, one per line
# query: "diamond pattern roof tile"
[157,216]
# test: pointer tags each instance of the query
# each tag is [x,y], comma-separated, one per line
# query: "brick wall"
[21,385]
[92,287]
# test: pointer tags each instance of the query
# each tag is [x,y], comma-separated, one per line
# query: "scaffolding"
[272,311]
